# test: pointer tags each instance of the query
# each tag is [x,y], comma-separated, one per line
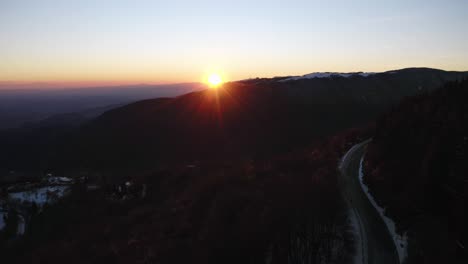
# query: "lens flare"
[214,80]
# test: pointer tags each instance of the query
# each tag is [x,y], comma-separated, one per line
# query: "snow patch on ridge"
[401,241]
[319,75]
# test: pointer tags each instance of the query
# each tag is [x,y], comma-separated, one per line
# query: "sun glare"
[214,80]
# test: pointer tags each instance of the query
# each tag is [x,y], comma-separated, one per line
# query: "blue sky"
[178,41]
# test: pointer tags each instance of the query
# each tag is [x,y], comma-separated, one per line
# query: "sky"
[70,43]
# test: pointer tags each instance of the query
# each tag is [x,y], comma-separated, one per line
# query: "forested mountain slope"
[417,167]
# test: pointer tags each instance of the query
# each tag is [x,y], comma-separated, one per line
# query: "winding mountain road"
[376,244]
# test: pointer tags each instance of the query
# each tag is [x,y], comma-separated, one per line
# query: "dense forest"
[417,167]
[244,174]
[287,209]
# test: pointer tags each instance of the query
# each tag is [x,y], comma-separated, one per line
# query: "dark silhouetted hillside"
[250,118]
[417,167]
[245,211]
[32,104]
[253,117]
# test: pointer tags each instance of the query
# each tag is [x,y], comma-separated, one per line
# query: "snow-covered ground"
[401,241]
[40,196]
[60,180]
[21,228]
[328,75]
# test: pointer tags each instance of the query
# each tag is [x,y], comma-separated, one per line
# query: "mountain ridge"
[261,116]
[250,118]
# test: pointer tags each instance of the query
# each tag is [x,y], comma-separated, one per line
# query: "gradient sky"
[168,41]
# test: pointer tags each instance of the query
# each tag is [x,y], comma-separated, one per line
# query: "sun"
[214,80]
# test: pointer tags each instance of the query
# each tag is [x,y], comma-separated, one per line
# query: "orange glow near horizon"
[94,77]
[95,43]
[52,76]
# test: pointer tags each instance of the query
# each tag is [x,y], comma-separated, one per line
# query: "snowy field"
[40,196]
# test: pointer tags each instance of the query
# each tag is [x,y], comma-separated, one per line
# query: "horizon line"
[64,85]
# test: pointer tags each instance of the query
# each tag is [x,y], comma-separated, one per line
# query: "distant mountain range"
[250,118]
[20,107]
[329,75]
